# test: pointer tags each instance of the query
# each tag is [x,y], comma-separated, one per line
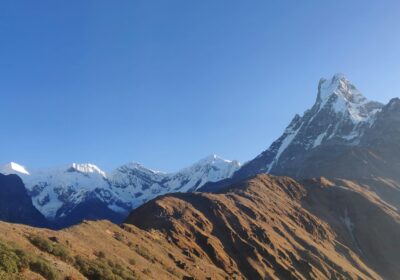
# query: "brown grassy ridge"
[142,255]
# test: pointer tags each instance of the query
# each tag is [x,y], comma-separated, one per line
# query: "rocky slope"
[69,194]
[276,228]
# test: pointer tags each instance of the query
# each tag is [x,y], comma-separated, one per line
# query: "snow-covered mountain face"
[56,192]
[340,117]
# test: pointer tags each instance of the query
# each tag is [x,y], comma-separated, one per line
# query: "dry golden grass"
[147,254]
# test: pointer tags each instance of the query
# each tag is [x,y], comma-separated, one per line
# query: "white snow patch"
[117,208]
[345,97]
[13,168]
[290,135]
[350,228]
[319,139]
[88,168]
[348,223]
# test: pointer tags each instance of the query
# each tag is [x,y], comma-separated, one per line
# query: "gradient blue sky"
[168,82]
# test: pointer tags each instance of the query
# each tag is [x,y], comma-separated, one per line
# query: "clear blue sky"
[168,82]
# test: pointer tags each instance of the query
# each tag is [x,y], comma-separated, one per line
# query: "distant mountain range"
[66,195]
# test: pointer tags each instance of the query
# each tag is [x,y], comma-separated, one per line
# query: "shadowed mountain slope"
[361,220]
[16,205]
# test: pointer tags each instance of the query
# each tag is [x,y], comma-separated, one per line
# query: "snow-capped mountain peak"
[215,160]
[340,116]
[137,166]
[338,85]
[339,95]
[87,168]
[13,168]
